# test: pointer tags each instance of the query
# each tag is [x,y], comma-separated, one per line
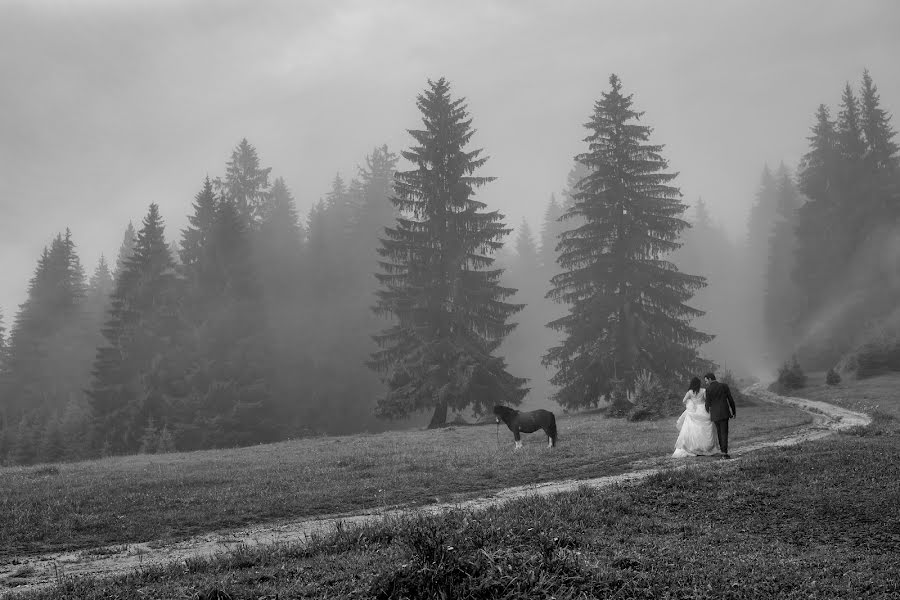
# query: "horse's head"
[502,413]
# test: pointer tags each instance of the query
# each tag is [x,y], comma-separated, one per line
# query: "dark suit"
[720,406]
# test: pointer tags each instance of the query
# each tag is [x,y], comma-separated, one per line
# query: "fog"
[108,107]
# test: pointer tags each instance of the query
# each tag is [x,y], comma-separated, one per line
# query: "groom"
[720,406]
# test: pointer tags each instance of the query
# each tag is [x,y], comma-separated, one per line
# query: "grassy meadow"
[814,521]
[174,496]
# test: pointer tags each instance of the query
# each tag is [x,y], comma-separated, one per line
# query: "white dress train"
[697,434]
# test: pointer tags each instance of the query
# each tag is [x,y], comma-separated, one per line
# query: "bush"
[791,375]
[832,377]
[653,399]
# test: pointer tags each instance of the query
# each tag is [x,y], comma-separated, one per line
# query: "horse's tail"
[551,431]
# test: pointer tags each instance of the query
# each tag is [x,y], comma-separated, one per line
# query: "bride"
[697,433]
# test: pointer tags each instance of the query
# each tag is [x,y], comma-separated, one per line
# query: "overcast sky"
[107,106]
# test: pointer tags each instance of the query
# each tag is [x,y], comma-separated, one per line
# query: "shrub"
[832,377]
[652,398]
[791,375]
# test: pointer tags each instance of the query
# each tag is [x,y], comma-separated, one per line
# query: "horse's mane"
[504,412]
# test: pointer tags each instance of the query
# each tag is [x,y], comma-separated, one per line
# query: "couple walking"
[704,423]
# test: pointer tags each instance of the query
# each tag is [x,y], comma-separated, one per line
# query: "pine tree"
[762,216]
[375,210]
[448,305]
[126,249]
[881,150]
[782,297]
[101,284]
[42,358]
[141,333]
[231,382]
[333,266]
[526,248]
[850,143]
[3,349]
[818,166]
[724,300]
[284,289]
[280,229]
[551,228]
[246,184]
[627,310]
[279,249]
[97,302]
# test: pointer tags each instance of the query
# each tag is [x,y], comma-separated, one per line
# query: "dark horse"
[528,422]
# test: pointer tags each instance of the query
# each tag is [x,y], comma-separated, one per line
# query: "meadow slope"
[129,555]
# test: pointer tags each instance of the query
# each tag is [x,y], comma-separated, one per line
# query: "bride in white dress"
[697,434]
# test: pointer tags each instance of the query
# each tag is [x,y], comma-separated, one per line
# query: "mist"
[108,111]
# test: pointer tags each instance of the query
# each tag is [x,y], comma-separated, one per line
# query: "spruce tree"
[818,166]
[437,283]
[526,248]
[43,355]
[282,234]
[550,230]
[141,334]
[627,303]
[881,150]
[246,184]
[374,212]
[284,289]
[782,296]
[850,142]
[231,383]
[126,249]
[3,347]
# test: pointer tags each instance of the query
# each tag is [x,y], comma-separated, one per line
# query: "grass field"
[819,520]
[168,497]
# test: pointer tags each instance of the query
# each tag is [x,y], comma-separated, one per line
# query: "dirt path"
[35,572]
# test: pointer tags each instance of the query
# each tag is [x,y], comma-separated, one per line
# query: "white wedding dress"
[697,434]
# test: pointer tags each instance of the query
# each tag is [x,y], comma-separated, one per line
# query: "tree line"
[823,262]
[399,297]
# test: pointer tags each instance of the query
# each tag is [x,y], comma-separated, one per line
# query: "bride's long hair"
[695,385]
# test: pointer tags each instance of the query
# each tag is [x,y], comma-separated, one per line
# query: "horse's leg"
[550,430]
[518,439]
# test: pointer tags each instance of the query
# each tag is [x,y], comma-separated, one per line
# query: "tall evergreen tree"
[235,395]
[126,249]
[551,228]
[881,150]
[195,240]
[627,303]
[849,175]
[285,289]
[724,300]
[819,165]
[850,142]
[2,342]
[437,282]
[762,216]
[818,220]
[246,183]
[375,210]
[782,300]
[280,241]
[140,334]
[42,358]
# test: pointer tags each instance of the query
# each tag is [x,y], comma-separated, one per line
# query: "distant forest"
[402,299]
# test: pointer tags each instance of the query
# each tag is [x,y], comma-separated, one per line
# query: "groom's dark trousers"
[720,406]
